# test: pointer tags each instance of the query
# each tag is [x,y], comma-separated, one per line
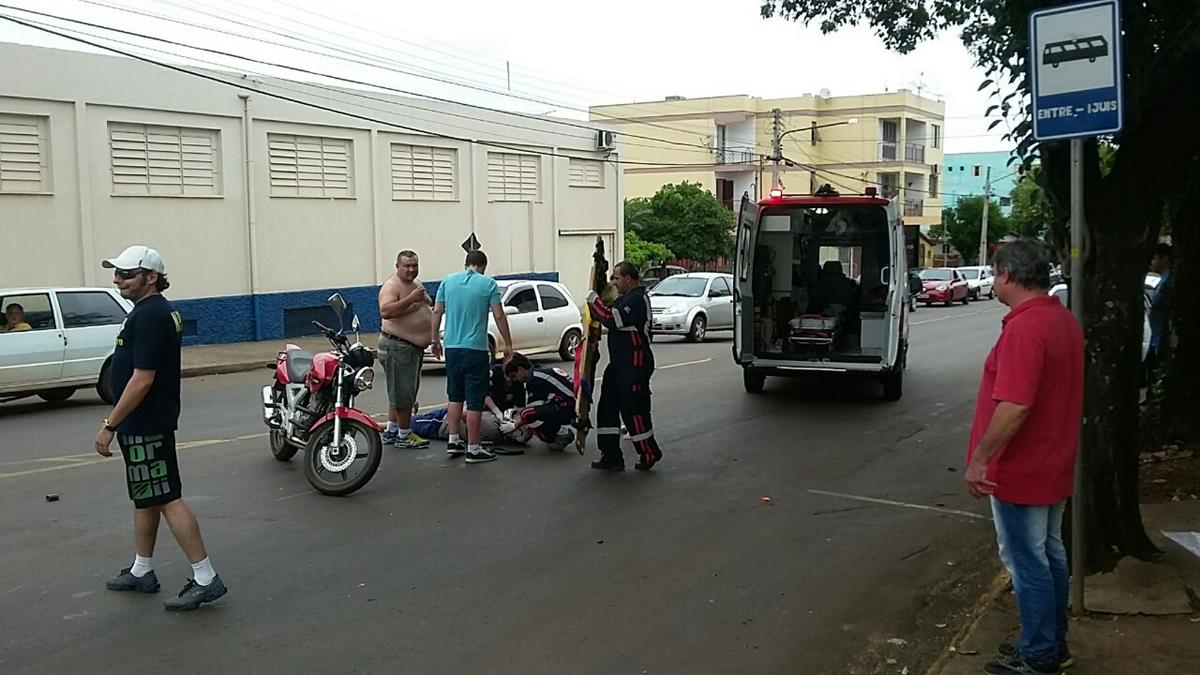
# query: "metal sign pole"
[1078,569]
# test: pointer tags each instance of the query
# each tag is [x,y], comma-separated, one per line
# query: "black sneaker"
[125,581]
[193,595]
[1016,665]
[479,456]
[456,448]
[608,465]
[1065,660]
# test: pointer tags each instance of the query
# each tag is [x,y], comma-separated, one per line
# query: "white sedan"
[67,345]
[542,318]
[981,281]
[692,304]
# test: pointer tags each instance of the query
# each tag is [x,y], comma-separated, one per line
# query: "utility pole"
[776,145]
[987,206]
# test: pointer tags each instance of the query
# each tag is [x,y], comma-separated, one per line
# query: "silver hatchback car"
[692,304]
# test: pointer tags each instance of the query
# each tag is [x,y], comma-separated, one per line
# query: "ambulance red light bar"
[776,192]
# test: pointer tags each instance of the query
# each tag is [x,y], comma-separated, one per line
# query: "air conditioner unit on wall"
[606,140]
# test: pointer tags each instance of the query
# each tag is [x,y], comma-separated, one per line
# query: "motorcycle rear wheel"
[362,439]
[280,448]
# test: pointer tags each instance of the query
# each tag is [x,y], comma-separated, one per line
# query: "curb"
[223,368]
[999,587]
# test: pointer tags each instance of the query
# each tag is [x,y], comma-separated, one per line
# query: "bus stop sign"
[1075,63]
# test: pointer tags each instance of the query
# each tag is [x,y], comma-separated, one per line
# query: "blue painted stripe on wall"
[245,318]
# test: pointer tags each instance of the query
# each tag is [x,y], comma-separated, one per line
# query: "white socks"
[454,438]
[402,433]
[140,566]
[392,427]
[202,572]
[473,449]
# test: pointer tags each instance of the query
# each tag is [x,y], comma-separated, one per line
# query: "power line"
[317,106]
[306,71]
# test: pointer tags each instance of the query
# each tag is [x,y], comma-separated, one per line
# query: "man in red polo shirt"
[1022,452]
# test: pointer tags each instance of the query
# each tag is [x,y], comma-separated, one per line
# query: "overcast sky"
[562,56]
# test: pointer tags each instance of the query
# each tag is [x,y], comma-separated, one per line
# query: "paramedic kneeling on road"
[625,391]
[550,408]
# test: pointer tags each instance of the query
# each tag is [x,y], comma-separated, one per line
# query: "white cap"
[137,257]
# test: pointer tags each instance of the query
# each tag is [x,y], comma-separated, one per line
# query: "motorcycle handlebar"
[330,333]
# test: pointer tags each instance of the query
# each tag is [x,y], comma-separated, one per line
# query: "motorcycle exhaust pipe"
[269,409]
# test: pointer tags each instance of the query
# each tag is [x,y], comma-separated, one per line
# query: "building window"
[937,135]
[586,173]
[512,176]
[422,172]
[976,170]
[1006,201]
[933,186]
[311,166]
[153,161]
[24,154]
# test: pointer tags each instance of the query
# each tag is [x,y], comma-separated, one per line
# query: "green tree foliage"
[1152,160]
[1032,212]
[685,218]
[639,251]
[964,221]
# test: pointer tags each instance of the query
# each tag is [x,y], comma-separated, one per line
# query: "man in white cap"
[145,382]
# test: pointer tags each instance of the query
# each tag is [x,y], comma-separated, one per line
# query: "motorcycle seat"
[299,362]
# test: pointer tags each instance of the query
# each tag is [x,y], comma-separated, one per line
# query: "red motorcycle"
[311,406]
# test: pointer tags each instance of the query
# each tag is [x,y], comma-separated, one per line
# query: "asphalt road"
[531,564]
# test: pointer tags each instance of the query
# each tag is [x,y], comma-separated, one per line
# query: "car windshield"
[936,275]
[970,274]
[687,287]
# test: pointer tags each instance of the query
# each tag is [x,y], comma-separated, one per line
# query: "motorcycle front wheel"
[339,471]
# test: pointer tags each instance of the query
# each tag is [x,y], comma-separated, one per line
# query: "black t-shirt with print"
[150,340]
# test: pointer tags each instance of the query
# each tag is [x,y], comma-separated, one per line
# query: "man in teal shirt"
[464,298]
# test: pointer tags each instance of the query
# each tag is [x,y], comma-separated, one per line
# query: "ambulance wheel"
[893,384]
[753,381]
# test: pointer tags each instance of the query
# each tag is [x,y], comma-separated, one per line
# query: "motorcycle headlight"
[941,288]
[364,379]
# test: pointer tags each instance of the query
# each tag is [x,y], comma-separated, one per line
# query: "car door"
[525,320]
[559,312]
[720,311]
[743,297]
[91,321]
[35,356]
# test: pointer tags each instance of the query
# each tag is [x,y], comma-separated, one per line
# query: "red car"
[943,284]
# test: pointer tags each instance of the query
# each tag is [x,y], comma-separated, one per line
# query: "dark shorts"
[151,470]
[546,419]
[467,377]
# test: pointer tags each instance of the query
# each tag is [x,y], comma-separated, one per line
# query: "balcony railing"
[914,152]
[887,151]
[735,155]
[914,208]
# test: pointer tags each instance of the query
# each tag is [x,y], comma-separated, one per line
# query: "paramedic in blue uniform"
[625,390]
[551,400]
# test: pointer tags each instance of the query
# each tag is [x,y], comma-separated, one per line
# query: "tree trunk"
[1181,396]
[1113,316]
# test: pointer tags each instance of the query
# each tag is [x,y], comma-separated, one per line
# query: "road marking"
[298,494]
[907,505]
[88,458]
[956,316]
[685,363]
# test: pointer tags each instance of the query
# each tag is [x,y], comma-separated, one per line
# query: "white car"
[692,304]
[1060,291]
[542,318]
[71,338]
[981,281]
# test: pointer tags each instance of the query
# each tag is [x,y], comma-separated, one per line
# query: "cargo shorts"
[401,361]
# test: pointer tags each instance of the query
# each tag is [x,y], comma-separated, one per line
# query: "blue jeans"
[1031,548]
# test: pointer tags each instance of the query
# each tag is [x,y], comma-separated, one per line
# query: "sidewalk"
[238,357]
[1142,619]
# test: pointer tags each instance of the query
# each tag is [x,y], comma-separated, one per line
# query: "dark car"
[652,275]
[943,284]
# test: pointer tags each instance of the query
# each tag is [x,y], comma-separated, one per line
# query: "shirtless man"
[407,313]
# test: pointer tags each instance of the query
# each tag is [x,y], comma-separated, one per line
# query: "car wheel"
[491,351]
[966,299]
[56,395]
[949,300]
[103,385]
[992,294]
[569,345]
[753,381]
[699,329]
